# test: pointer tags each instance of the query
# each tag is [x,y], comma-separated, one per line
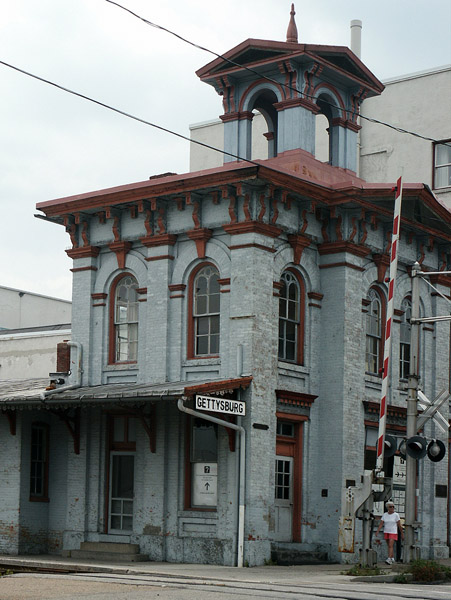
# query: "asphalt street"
[139,586]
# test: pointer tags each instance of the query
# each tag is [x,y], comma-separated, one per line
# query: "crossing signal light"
[436,450]
[416,447]
[390,446]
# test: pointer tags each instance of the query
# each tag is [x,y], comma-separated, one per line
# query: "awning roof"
[27,393]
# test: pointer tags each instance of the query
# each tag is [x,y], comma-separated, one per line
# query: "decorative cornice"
[200,237]
[237,116]
[84,252]
[338,121]
[121,249]
[292,102]
[343,246]
[392,411]
[153,241]
[252,227]
[295,398]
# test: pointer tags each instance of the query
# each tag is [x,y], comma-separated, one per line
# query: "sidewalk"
[297,574]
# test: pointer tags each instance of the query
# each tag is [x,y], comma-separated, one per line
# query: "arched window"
[124,320]
[203,332]
[375,326]
[404,339]
[291,318]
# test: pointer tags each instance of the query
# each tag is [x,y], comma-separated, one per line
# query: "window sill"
[39,499]
[210,360]
[288,366]
[210,513]
[373,380]
[121,366]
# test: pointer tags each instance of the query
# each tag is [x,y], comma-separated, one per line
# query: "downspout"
[43,395]
[241,506]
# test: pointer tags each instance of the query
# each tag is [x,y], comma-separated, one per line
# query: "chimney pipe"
[356,37]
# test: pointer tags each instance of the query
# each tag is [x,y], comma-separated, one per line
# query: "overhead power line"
[125,114]
[287,86]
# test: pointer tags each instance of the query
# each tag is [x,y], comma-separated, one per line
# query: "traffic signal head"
[416,446]
[390,446]
[436,450]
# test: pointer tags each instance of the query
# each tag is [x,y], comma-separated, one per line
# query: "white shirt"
[390,522]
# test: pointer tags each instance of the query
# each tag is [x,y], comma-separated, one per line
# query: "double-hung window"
[124,343]
[291,318]
[375,331]
[442,164]
[206,312]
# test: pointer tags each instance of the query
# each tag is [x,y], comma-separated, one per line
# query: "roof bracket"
[72,422]
[148,421]
[11,415]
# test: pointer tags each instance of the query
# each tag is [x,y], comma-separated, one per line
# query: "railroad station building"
[259,283]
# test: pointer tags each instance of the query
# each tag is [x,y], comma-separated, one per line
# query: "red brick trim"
[218,386]
[152,241]
[252,227]
[343,246]
[200,237]
[259,246]
[298,242]
[77,269]
[295,398]
[121,249]
[84,252]
[161,257]
[344,263]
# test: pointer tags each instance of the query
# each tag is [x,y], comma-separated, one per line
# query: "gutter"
[241,485]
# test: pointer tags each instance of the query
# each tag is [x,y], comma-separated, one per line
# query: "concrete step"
[110,557]
[298,554]
[120,548]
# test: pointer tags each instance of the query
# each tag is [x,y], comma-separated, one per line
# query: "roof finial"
[292,31]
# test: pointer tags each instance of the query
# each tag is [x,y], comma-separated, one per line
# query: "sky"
[53,144]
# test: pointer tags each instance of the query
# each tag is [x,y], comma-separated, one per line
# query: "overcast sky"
[54,145]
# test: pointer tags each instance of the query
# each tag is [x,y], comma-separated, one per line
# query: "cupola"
[290,83]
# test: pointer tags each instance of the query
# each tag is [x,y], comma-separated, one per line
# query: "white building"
[31,326]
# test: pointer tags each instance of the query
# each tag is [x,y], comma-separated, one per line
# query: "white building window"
[442,164]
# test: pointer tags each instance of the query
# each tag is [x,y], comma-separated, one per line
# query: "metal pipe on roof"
[356,37]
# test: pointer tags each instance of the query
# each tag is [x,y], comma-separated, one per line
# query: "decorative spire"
[292,31]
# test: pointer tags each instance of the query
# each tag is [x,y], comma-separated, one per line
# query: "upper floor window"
[442,164]
[124,321]
[404,339]
[291,318]
[205,320]
[375,324]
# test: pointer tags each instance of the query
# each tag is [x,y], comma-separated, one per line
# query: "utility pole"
[410,548]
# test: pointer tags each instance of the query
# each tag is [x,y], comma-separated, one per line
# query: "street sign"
[221,405]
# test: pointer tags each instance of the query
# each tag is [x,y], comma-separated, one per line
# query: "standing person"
[391,523]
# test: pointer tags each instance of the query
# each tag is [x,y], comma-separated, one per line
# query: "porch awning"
[28,393]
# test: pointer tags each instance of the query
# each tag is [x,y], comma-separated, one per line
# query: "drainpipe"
[43,395]
[241,507]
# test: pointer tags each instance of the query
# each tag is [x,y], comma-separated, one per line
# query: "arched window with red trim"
[124,320]
[204,310]
[291,317]
[375,330]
